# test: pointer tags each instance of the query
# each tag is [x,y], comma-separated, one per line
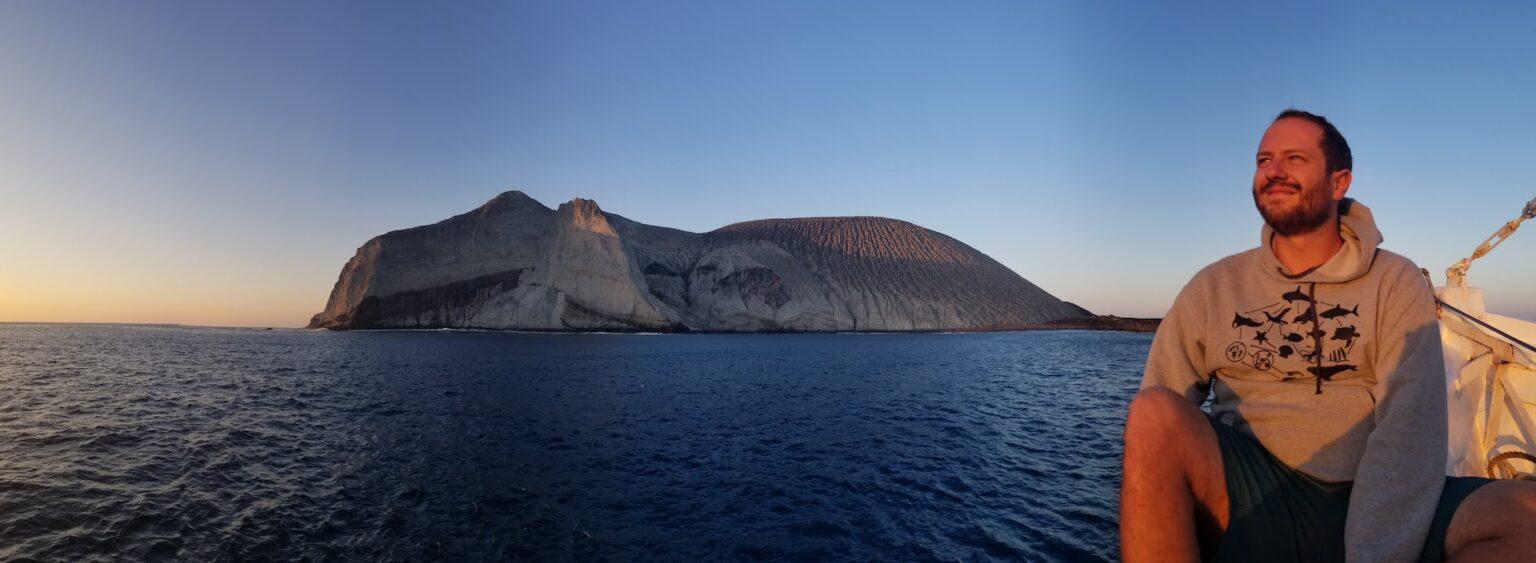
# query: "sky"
[215,163]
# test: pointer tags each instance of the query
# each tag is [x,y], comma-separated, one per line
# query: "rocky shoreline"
[1098,323]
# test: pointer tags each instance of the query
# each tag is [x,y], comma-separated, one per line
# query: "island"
[515,264]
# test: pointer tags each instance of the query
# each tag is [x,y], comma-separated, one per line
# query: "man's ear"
[1341,180]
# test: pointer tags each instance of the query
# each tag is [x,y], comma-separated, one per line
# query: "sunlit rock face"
[516,264]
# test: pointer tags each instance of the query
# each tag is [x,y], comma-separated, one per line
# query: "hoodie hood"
[1361,239]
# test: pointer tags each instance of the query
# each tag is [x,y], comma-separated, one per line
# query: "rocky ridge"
[515,264]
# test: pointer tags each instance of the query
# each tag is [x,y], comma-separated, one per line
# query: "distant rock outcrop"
[516,264]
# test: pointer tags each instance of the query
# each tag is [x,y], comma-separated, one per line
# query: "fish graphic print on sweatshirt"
[1287,338]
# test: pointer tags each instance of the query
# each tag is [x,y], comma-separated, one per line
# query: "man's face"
[1291,184]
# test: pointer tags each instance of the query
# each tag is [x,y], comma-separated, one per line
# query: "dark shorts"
[1279,514]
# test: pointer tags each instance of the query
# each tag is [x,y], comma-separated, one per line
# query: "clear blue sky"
[216,163]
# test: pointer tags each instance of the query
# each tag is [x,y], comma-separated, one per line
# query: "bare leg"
[1497,522]
[1173,496]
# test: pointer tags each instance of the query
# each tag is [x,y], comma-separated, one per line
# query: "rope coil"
[1501,462]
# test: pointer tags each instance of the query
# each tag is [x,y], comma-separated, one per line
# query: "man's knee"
[1515,505]
[1156,414]
[1501,511]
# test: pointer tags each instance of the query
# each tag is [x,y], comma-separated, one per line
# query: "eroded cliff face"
[516,264]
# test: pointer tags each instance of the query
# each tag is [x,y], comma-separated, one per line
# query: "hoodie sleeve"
[1177,359]
[1398,482]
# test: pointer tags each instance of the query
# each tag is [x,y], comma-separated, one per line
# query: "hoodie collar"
[1361,238]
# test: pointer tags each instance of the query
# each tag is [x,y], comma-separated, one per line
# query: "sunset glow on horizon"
[217,164]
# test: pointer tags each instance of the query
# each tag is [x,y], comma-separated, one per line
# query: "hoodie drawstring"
[1317,337]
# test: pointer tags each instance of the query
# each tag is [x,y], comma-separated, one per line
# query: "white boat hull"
[1490,386]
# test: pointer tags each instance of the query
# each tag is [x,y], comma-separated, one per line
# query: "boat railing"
[1491,372]
[1497,370]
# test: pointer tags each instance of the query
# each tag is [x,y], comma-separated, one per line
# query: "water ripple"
[166,443]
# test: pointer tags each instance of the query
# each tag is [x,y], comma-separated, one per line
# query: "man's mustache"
[1279,182]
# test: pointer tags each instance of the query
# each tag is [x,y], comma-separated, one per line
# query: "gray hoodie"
[1336,371]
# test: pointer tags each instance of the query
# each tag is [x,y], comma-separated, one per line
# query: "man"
[1327,434]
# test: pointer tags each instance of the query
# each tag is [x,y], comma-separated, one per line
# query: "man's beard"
[1309,213]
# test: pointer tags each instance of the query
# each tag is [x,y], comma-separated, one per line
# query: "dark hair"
[1335,149]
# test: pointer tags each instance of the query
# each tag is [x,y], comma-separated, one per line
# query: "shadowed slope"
[870,257]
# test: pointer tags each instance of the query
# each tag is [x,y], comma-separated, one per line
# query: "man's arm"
[1398,482]
[1177,359]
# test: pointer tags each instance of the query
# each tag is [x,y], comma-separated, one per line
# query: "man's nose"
[1272,170]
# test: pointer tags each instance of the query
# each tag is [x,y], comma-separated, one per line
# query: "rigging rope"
[1507,336]
[1456,276]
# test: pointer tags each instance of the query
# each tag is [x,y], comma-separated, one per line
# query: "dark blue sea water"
[146,442]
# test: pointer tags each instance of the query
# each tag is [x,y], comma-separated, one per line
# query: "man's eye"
[1296,158]
[1262,161]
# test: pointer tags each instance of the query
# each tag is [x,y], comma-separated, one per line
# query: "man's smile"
[1280,188]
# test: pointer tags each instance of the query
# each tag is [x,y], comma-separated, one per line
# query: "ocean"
[171,443]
